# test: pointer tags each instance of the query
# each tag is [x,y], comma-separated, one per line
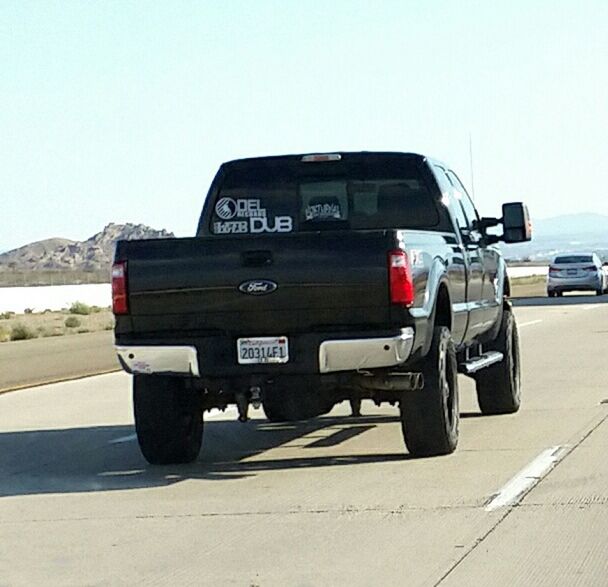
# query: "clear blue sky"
[122,111]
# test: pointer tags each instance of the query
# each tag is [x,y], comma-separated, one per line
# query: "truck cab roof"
[343,155]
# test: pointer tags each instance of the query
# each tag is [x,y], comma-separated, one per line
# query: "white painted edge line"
[593,307]
[527,478]
[529,323]
[211,415]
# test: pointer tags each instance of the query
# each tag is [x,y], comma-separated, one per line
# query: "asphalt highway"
[334,501]
[44,360]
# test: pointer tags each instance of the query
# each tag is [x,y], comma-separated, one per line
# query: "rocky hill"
[93,254]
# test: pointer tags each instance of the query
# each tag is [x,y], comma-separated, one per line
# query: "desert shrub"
[47,311]
[108,326]
[96,309]
[48,332]
[72,322]
[28,311]
[6,315]
[22,332]
[5,334]
[83,330]
[80,308]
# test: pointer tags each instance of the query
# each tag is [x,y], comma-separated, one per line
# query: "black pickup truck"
[315,279]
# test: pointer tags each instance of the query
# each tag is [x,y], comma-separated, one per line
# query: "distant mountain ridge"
[60,254]
[572,224]
[567,233]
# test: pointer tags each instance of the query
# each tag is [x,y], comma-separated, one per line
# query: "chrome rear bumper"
[145,360]
[358,354]
[365,353]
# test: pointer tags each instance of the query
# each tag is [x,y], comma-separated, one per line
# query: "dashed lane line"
[527,478]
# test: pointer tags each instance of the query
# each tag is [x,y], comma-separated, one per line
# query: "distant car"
[576,272]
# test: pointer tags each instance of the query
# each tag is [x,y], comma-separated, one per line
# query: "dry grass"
[47,324]
[72,322]
[533,286]
[5,333]
[22,332]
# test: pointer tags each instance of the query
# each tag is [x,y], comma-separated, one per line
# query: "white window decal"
[323,212]
[254,218]
[280,224]
[238,227]
[250,209]
[226,208]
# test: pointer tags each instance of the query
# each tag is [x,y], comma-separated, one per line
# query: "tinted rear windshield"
[294,196]
[574,259]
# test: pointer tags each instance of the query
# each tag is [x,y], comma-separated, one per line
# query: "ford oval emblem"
[258,287]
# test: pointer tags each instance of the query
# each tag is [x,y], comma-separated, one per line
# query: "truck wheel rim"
[447,386]
[513,350]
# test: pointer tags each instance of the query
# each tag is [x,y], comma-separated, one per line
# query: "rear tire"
[168,419]
[499,386]
[430,417]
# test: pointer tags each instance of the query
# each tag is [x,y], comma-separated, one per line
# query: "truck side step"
[481,362]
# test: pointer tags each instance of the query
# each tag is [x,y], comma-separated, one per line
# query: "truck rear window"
[289,196]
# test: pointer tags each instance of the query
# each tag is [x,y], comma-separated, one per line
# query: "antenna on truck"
[471,165]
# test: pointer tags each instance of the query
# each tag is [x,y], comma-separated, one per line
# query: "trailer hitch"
[243,399]
[242,405]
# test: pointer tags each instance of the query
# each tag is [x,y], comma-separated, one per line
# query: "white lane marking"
[594,307]
[123,439]
[211,415]
[529,323]
[527,478]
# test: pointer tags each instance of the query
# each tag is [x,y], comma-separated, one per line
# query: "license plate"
[263,350]
[572,271]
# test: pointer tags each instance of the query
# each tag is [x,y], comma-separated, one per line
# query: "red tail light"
[401,283]
[592,268]
[120,303]
[553,270]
